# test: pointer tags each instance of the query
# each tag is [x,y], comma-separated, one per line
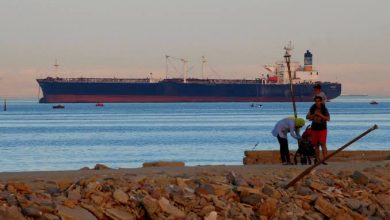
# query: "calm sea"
[37,137]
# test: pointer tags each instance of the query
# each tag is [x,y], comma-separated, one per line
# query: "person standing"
[318,92]
[282,127]
[319,116]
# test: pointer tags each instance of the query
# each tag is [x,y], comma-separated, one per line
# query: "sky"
[349,39]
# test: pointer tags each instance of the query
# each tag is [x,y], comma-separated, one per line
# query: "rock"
[384,200]
[117,214]
[74,194]
[219,205]
[97,199]
[101,167]
[359,178]
[53,190]
[221,189]
[47,207]
[314,185]
[268,207]
[164,164]
[10,213]
[357,216]
[282,184]
[151,205]
[84,168]
[252,199]
[206,210]
[97,211]
[64,184]
[204,189]
[271,192]
[267,190]
[246,210]
[191,216]
[325,207]
[48,216]
[121,196]
[343,215]
[93,186]
[243,190]
[77,213]
[170,209]
[11,200]
[31,212]
[304,191]
[181,182]
[14,187]
[236,180]
[69,203]
[353,204]
[305,206]
[2,186]
[211,216]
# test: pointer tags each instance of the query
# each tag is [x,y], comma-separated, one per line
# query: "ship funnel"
[308,61]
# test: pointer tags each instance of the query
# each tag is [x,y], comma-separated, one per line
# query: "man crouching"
[282,127]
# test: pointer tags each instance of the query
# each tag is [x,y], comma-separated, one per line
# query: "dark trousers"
[284,152]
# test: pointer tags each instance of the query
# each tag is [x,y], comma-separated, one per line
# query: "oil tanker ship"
[273,86]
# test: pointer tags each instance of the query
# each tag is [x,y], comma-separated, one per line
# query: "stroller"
[305,148]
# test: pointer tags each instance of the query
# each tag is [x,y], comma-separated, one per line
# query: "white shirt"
[323,96]
[284,126]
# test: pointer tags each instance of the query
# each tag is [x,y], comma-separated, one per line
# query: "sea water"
[35,136]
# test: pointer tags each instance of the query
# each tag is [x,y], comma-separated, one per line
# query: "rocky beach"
[350,189]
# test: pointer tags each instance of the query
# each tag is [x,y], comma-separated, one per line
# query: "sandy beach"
[350,189]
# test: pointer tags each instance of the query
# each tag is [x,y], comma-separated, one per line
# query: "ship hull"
[91,92]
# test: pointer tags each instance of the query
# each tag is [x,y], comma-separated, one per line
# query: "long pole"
[287,57]
[307,171]
[166,66]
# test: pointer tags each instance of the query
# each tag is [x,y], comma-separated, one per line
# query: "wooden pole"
[307,171]
[287,57]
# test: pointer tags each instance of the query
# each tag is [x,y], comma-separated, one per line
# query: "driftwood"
[307,171]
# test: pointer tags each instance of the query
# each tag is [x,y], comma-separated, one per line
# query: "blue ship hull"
[56,90]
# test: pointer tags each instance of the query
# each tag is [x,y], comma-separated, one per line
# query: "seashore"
[347,189]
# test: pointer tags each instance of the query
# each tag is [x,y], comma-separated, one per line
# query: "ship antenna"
[185,64]
[166,66]
[204,61]
[287,56]
[288,48]
[56,67]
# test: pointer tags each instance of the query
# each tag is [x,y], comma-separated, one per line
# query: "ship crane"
[204,61]
[56,67]
[185,66]
[204,65]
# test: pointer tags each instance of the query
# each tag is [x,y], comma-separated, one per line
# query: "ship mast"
[56,67]
[203,66]
[185,64]
[287,56]
[166,66]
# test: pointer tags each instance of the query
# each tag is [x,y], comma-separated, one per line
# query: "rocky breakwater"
[209,194]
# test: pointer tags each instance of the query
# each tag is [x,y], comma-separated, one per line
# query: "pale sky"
[349,39]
